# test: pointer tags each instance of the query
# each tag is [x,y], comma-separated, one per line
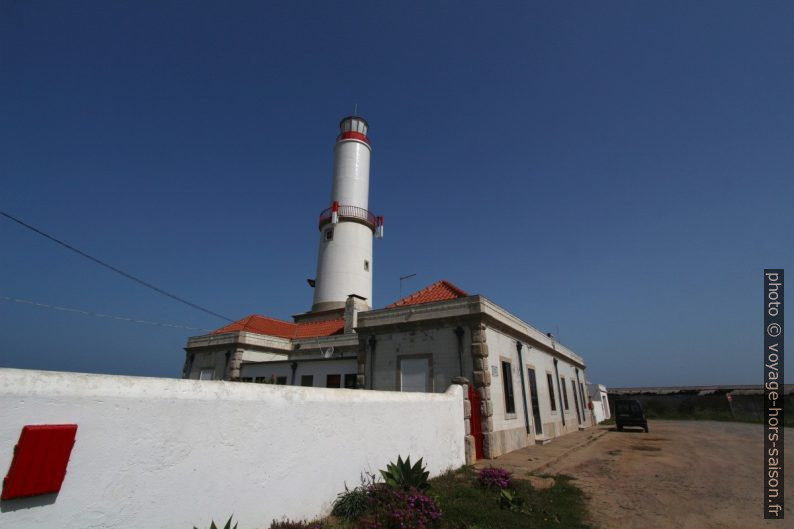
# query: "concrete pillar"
[361,360]
[233,367]
[468,438]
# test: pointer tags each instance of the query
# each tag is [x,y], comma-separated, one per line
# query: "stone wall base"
[504,441]
[471,450]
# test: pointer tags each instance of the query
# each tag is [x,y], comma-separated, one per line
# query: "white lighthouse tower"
[344,260]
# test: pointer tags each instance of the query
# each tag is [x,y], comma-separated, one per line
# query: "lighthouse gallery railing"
[354,213]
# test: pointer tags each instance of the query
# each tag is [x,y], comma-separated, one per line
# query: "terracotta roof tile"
[283,329]
[441,291]
[320,328]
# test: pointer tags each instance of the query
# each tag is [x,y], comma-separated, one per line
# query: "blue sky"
[618,173]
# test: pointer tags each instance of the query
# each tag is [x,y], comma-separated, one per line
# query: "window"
[533,395]
[565,394]
[507,384]
[414,373]
[208,373]
[350,381]
[333,381]
[307,380]
[366,265]
[262,380]
[281,381]
[576,400]
[550,383]
[329,235]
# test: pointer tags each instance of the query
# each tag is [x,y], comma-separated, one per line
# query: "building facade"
[522,385]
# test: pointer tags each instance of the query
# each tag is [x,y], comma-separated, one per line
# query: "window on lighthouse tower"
[329,235]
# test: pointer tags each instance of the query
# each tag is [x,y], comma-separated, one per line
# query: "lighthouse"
[347,227]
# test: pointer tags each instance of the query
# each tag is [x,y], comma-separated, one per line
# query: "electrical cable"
[100,315]
[113,268]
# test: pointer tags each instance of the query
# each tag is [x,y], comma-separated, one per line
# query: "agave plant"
[404,476]
[227,526]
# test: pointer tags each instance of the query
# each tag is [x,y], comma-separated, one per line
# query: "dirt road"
[682,475]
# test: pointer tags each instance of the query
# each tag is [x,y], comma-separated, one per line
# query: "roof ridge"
[457,289]
[265,325]
[443,283]
[270,318]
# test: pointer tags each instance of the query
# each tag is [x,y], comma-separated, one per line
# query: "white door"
[415,374]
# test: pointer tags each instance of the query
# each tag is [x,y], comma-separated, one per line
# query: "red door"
[475,421]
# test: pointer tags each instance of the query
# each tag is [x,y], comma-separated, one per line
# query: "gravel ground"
[683,475]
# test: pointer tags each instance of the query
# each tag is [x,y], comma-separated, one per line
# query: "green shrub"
[511,501]
[351,504]
[289,524]
[404,476]
[395,508]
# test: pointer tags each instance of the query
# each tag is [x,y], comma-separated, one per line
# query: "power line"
[100,315]
[113,268]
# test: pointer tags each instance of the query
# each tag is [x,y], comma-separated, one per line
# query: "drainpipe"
[294,366]
[372,343]
[519,346]
[559,392]
[459,333]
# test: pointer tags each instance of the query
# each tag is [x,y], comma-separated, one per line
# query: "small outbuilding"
[600,400]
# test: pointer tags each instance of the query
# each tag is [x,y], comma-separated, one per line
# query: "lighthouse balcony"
[353,214]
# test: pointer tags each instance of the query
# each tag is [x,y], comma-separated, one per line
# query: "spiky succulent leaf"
[403,475]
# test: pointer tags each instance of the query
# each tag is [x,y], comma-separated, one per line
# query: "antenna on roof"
[402,278]
[355,110]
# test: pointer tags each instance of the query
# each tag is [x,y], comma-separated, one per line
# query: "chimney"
[353,305]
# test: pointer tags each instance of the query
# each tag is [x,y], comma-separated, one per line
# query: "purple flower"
[495,478]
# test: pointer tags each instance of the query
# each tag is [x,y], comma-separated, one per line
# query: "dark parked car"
[629,412]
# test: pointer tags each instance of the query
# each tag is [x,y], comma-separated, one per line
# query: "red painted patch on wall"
[40,460]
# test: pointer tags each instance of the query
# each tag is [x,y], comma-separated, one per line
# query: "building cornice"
[468,307]
[268,343]
[532,335]
[239,338]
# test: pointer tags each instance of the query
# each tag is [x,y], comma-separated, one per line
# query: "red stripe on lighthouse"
[352,135]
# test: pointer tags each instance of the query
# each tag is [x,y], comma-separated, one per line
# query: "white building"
[600,399]
[525,386]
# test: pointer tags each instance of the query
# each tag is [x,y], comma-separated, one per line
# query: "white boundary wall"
[168,453]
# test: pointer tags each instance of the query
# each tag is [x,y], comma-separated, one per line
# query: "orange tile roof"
[441,291]
[284,329]
[311,329]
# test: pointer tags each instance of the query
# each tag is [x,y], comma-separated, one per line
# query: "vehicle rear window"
[627,407]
